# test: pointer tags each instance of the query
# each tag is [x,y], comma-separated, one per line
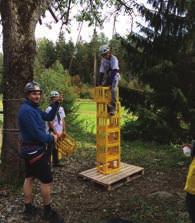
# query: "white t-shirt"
[58,121]
[109,64]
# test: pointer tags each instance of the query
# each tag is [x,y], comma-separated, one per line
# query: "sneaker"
[112,113]
[111,109]
[53,217]
[31,211]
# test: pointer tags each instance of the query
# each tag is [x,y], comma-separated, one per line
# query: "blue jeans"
[114,86]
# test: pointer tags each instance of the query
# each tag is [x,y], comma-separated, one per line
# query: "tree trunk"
[19,20]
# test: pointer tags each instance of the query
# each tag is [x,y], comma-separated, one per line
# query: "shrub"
[151,127]
[55,78]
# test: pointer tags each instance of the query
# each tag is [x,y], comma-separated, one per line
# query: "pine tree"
[161,55]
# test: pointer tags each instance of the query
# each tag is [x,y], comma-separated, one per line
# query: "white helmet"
[104,49]
[32,86]
[54,94]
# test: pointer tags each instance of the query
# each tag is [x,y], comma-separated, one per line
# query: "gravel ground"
[81,201]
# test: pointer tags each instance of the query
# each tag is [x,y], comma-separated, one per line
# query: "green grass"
[152,155]
[87,106]
[87,114]
[165,170]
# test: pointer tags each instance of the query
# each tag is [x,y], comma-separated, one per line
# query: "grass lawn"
[87,113]
[86,106]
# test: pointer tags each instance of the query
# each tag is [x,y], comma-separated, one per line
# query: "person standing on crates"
[34,151]
[109,67]
[56,126]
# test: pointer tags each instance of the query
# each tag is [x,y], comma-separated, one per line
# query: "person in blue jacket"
[109,67]
[34,141]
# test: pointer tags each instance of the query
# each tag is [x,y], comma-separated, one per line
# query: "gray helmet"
[54,94]
[104,49]
[32,86]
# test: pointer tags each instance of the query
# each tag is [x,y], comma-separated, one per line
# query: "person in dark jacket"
[34,140]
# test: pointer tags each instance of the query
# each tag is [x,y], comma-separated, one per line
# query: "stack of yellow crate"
[65,145]
[108,133]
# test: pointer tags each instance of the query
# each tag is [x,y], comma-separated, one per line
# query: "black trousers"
[190,201]
[40,169]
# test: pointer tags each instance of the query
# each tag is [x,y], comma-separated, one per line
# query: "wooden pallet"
[127,173]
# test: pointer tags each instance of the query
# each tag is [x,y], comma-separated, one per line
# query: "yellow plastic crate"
[111,136]
[66,145]
[108,132]
[110,149]
[108,167]
[106,123]
[102,109]
[103,158]
[109,154]
[103,94]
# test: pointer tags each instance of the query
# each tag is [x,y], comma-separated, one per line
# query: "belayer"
[34,141]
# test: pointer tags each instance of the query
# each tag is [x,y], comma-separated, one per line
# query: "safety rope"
[9,130]
[13,99]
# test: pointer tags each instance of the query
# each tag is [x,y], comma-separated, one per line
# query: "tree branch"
[93,12]
[40,21]
[127,7]
[68,12]
[53,14]
[0,6]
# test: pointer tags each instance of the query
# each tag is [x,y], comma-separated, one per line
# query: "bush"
[86,92]
[151,127]
[55,78]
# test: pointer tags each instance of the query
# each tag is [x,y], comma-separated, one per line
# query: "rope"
[78,37]
[114,27]
[10,130]
[13,99]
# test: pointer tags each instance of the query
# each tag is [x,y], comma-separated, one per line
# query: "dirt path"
[82,202]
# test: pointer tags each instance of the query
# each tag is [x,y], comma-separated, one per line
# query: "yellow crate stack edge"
[108,133]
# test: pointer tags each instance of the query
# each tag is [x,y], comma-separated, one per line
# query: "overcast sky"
[123,26]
